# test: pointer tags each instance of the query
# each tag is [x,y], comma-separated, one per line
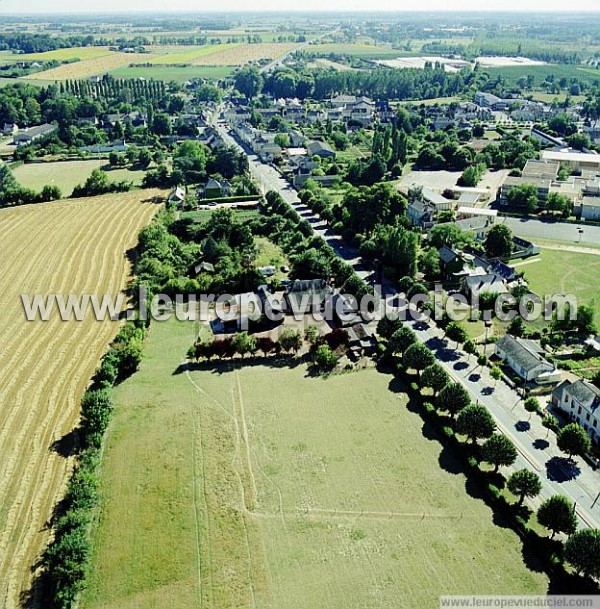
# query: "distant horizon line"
[477,11]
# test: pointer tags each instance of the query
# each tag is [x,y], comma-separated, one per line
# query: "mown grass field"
[64,247]
[68,174]
[259,486]
[565,272]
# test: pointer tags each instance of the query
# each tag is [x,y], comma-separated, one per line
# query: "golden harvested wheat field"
[237,55]
[74,246]
[89,67]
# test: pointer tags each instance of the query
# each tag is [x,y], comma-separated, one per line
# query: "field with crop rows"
[77,247]
[245,53]
[191,54]
[90,67]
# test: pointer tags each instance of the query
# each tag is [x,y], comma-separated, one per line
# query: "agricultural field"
[175,73]
[69,54]
[68,174]
[513,73]
[363,51]
[246,53]
[89,67]
[260,486]
[77,247]
[190,54]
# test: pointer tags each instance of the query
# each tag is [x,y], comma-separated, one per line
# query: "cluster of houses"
[476,274]
[300,297]
[359,111]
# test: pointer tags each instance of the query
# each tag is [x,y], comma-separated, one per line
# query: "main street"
[537,448]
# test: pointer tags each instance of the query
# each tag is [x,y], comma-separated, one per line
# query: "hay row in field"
[90,67]
[75,246]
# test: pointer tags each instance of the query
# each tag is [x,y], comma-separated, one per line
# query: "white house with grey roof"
[526,358]
[581,400]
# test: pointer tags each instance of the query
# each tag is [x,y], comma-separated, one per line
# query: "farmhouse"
[28,136]
[581,400]
[526,359]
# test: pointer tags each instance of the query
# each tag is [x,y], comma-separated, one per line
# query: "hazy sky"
[45,6]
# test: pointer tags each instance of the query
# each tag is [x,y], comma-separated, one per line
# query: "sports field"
[64,247]
[565,272]
[259,486]
[68,174]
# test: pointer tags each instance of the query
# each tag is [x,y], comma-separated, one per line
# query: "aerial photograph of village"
[300,305]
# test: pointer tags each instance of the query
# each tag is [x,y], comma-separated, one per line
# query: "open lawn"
[67,247]
[68,174]
[259,486]
[564,272]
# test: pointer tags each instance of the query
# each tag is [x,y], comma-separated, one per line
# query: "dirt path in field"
[66,247]
[576,249]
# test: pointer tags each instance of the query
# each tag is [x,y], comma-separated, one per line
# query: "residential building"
[304,296]
[477,285]
[318,148]
[581,401]
[214,189]
[526,359]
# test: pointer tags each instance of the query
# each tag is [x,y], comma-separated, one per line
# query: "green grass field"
[259,486]
[513,73]
[81,53]
[176,73]
[564,272]
[68,174]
